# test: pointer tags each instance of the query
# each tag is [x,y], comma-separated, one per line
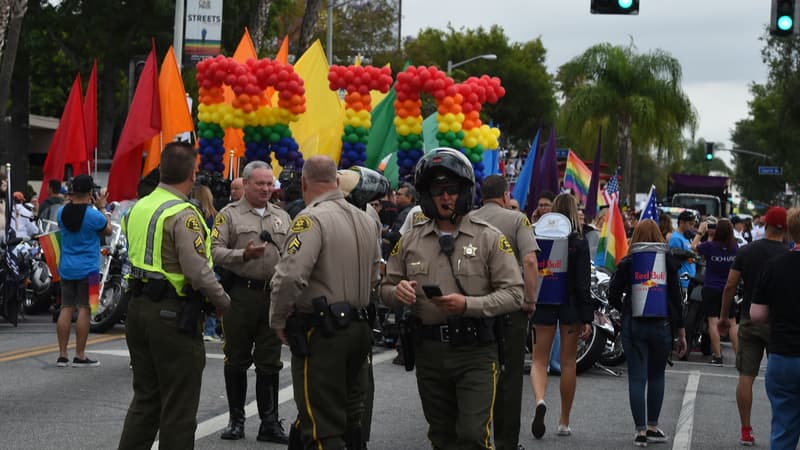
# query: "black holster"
[296,333]
[322,316]
[189,317]
[408,338]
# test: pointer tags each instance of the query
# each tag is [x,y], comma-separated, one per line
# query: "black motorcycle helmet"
[361,185]
[445,162]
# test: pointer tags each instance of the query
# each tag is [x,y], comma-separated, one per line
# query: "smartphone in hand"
[432,290]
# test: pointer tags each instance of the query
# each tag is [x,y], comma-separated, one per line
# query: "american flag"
[611,194]
[650,210]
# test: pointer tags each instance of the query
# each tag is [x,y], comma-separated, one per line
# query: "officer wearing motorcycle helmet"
[473,268]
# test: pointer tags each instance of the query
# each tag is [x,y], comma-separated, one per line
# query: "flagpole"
[230,165]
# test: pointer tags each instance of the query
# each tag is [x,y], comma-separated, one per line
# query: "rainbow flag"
[613,244]
[51,247]
[94,292]
[577,177]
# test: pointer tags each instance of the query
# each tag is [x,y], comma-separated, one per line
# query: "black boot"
[353,439]
[295,439]
[271,429]
[236,387]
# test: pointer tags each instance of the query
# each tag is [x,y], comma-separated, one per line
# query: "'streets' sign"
[203,29]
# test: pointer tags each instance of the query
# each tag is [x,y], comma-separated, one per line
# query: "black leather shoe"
[234,432]
[272,432]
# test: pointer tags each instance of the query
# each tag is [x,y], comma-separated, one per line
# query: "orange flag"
[175,115]
[69,141]
[143,122]
[90,115]
[234,138]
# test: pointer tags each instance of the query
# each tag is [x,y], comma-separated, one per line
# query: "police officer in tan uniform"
[246,241]
[474,267]
[320,290]
[169,250]
[517,228]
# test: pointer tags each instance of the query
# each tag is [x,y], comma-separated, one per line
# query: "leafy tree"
[639,95]
[530,92]
[773,123]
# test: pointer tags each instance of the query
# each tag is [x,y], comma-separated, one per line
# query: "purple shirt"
[718,263]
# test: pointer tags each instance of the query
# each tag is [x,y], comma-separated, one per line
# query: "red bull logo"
[652,275]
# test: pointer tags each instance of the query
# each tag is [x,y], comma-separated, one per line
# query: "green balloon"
[352,138]
[348,129]
[274,138]
[405,146]
[457,143]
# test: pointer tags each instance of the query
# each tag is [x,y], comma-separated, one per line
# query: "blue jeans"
[783,390]
[211,326]
[647,344]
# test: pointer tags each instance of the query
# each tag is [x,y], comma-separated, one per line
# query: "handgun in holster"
[408,339]
[296,329]
[192,309]
[322,316]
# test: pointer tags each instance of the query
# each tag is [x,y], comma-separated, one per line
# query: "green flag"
[383,137]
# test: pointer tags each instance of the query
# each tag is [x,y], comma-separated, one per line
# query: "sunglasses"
[451,189]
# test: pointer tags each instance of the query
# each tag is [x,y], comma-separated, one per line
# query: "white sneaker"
[564,430]
[209,338]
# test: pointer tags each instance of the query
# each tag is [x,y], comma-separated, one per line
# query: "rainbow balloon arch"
[266,127]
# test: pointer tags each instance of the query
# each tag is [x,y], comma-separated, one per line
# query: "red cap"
[776,216]
[19,196]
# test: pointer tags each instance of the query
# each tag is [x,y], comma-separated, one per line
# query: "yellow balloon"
[403,130]
[444,128]
[417,128]
[455,127]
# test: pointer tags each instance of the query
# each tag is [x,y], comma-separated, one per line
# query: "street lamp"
[451,66]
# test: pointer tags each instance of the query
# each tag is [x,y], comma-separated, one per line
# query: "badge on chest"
[470,250]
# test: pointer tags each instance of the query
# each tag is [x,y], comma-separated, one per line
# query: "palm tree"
[639,94]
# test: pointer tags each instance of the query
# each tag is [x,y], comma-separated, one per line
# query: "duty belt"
[249,283]
[439,333]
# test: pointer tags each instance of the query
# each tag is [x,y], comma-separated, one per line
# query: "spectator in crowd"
[49,207]
[22,220]
[513,204]
[665,225]
[747,232]
[758,227]
[719,252]
[573,316]
[648,340]
[590,233]
[79,267]
[753,337]
[3,206]
[682,246]
[237,189]
[544,203]
[511,170]
[204,200]
[777,302]
[738,228]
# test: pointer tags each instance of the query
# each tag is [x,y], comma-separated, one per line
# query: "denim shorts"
[75,293]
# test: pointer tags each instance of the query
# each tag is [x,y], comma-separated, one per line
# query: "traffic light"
[709,151]
[623,7]
[784,17]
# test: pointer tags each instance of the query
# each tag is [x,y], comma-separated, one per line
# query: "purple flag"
[590,210]
[546,171]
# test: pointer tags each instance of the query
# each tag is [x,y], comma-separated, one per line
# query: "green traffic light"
[625,4]
[785,23]
[709,156]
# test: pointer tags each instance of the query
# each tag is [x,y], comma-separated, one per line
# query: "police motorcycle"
[114,267]
[15,267]
[614,354]
[693,317]
[40,291]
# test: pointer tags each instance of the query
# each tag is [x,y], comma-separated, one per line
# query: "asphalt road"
[46,407]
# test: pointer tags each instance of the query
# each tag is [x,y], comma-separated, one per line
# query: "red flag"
[69,141]
[143,122]
[90,114]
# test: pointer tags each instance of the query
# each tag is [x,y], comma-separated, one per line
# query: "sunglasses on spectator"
[451,189]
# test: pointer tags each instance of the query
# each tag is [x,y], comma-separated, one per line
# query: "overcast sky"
[716,41]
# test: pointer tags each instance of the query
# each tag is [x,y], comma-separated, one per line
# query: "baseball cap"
[82,184]
[19,196]
[686,216]
[776,216]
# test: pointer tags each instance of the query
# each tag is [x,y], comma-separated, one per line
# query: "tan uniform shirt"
[483,261]
[239,223]
[513,224]
[183,250]
[330,251]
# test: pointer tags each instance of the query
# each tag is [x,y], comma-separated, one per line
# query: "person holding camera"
[719,251]
[246,241]
[320,292]
[458,274]
[169,250]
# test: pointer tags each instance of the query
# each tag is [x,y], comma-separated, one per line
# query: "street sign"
[770,170]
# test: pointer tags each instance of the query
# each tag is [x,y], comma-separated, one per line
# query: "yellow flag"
[175,115]
[319,130]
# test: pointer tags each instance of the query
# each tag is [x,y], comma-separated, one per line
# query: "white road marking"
[683,433]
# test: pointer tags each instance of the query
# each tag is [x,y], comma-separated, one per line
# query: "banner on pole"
[203,30]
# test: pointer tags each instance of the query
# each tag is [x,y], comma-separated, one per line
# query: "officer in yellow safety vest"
[170,253]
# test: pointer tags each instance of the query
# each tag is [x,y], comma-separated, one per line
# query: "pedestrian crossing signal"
[621,7]
[709,151]
[784,17]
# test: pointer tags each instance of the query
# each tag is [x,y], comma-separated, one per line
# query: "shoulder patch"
[192,224]
[397,247]
[219,220]
[294,246]
[527,223]
[301,224]
[504,245]
[419,218]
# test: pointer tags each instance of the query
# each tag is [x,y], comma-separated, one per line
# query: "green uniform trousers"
[167,373]
[457,388]
[508,404]
[330,385]
[248,337]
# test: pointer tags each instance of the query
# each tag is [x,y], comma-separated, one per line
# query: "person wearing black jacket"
[574,316]
[647,341]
